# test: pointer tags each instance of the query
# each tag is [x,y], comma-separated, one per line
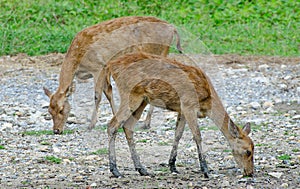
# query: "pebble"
[284,185]
[255,105]
[247,92]
[296,117]
[276,174]
[267,104]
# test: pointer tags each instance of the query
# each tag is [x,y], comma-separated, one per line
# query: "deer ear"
[247,128]
[233,130]
[47,92]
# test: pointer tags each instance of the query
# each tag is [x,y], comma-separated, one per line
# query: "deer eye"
[248,153]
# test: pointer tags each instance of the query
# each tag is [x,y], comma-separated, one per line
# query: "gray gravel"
[266,94]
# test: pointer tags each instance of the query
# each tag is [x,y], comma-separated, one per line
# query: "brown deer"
[150,79]
[94,46]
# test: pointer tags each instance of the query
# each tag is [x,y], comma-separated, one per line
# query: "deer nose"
[56,131]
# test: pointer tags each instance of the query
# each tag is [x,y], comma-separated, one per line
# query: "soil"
[28,161]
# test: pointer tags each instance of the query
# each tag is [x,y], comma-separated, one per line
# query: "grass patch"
[44,132]
[163,144]
[227,150]
[255,127]
[142,141]
[295,150]
[259,144]
[46,143]
[239,27]
[2,147]
[53,159]
[210,128]
[284,157]
[163,169]
[101,151]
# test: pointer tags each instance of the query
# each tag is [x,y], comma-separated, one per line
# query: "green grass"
[142,141]
[295,150]
[242,27]
[45,132]
[163,144]
[101,151]
[284,157]
[53,159]
[2,147]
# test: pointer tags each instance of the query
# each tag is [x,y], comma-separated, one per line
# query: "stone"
[255,105]
[225,183]
[267,104]
[263,67]
[275,174]
[296,117]
[284,185]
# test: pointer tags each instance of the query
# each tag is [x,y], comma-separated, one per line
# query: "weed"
[101,151]
[163,169]
[142,141]
[284,157]
[45,132]
[2,147]
[259,144]
[163,144]
[53,159]
[45,142]
[295,150]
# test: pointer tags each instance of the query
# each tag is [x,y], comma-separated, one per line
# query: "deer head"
[59,109]
[242,147]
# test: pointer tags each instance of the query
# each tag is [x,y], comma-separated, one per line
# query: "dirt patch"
[28,161]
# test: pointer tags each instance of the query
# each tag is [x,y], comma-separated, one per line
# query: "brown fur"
[94,46]
[144,78]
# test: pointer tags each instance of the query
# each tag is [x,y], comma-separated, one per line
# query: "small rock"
[276,174]
[56,150]
[6,126]
[44,149]
[255,105]
[93,184]
[267,104]
[296,117]
[283,86]
[284,185]
[249,187]
[263,67]
[66,161]
[225,183]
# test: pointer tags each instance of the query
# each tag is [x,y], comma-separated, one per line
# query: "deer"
[166,83]
[94,46]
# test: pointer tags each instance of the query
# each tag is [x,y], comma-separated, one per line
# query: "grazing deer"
[150,79]
[94,46]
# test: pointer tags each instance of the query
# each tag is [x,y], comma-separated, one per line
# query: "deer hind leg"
[191,118]
[128,129]
[123,116]
[148,118]
[178,134]
[101,85]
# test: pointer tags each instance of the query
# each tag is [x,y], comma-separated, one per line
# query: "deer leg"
[109,95]
[178,134]
[112,133]
[100,86]
[191,119]
[148,118]
[128,129]
[123,116]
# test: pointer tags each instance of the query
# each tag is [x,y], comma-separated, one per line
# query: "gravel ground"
[261,90]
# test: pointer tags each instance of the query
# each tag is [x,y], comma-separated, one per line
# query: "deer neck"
[221,118]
